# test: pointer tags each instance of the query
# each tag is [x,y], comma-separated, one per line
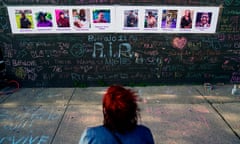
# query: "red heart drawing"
[179,42]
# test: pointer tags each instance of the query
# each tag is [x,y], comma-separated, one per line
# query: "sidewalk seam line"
[60,121]
[221,116]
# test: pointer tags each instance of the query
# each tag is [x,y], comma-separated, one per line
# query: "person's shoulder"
[145,133]
[142,127]
[95,128]
[93,132]
[91,135]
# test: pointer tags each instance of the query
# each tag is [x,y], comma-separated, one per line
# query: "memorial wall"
[112,52]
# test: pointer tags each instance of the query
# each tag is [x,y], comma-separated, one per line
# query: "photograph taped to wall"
[81,18]
[186,19]
[169,18]
[62,18]
[103,19]
[24,19]
[205,20]
[129,19]
[44,19]
[121,19]
[151,18]
[101,16]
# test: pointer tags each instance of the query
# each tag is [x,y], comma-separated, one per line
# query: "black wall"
[67,60]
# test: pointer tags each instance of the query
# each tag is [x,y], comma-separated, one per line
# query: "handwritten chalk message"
[230,20]
[43,139]
[23,125]
[101,58]
[132,59]
[235,77]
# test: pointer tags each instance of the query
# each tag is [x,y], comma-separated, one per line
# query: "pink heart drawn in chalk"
[179,42]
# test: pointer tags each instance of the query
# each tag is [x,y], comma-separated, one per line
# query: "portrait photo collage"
[112,19]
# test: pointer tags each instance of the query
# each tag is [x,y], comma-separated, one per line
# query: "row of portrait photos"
[94,19]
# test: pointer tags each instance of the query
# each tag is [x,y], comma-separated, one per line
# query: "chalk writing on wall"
[232,3]
[3,24]
[235,77]
[230,20]
[129,58]
[93,59]
[4,21]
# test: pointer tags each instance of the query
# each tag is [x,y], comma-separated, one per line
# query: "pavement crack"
[60,121]
[226,122]
[216,110]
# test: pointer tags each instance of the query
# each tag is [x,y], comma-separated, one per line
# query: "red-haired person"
[120,125]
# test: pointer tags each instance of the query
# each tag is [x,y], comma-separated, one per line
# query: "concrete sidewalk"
[175,114]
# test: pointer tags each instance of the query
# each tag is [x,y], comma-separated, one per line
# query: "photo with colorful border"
[168,19]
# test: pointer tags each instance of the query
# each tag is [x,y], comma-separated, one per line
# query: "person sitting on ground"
[120,125]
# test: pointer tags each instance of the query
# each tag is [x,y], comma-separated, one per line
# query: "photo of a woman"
[62,18]
[186,20]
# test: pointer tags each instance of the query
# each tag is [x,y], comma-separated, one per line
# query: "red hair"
[120,109]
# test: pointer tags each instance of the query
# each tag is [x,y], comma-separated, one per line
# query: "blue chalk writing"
[25,139]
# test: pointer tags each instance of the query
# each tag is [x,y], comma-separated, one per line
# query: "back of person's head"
[120,109]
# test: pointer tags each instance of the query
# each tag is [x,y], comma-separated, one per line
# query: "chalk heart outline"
[179,42]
